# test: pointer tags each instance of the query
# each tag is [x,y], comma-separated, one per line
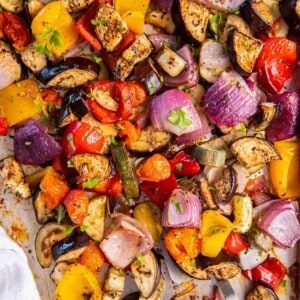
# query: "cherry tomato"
[76,203]
[276,63]
[15,29]
[80,137]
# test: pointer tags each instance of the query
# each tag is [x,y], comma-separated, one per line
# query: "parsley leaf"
[61,212]
[178,205]
[83,228]
[91,183]
[180,118]
[51,37]
[179,166]
[69,229]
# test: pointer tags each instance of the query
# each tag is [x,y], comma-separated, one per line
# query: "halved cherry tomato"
[119,91]
[270,272]
[184,164]
[159,192]
[76,203]
[155,168]
[235,243]
[80,137]
[15,29]
[3,126]
[276,63]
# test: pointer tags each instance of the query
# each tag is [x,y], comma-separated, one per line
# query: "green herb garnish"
[91,183]
[180,118]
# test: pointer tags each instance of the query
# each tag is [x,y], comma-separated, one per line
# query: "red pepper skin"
[15,29]
[235,243]
[81,137]
[86,29]
[118,90]
[159,192]
[184,164]
[3,126]
[53,100]
[271,272]
[276,63]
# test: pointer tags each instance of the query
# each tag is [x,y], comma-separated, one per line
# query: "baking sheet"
[18,219]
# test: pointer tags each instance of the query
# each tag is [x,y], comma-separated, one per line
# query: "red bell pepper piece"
[184,164]
[3,126]
[85,27]
[118,90]
[77,203]
[15,29]
[159,192]
[53,100]
[276,63]
[271,272]
[235,243]
[81,137]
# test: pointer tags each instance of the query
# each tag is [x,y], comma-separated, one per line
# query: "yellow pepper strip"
[54,29]
[214,231]
[135,21]
[20,101]
[78,283]
[285,173]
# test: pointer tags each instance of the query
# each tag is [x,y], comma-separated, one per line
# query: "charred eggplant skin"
[69,244]
[256,13]
[48,73]
[288,12]
[261,292]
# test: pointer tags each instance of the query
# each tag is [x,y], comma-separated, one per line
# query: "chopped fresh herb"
[114,141]
[51,37]
[83,228]
[151,88]
[216,24]
[178,205]
[70,164]
[180,118]
[69,229]
[28,143]
[1,8]
[179,166]
[119,27]
[260,253]
[61,212]
[96,58]
[119,126]
[216,228]
[212,188]
[234,11]
[18,84]
[90,96]
[121,272]
[283,283]
[91,183]
[182,87]
[139,258]
[181,179]
[99,23]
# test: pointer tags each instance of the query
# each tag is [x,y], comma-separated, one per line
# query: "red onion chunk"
[213,56]
[182,209]
[255,89]
[164,5]
[162,39]
[32,143]
[173,111]
[286,123]
[190,76]
[280,222]
[196,135]
[221,5]
[229,100]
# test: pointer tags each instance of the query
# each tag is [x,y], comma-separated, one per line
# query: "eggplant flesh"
[258,15]
[261,292]
[43,214]
[243,51]
[70,248]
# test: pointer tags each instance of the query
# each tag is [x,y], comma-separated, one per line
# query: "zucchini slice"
[46,238]
[243,51]
[254,152]
[209,157]
[121,159]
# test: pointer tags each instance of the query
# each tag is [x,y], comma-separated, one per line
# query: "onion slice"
[173,111]
[182,209]
[229,100]
[280,222]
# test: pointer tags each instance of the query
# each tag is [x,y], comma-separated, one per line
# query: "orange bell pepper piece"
[155,168]
[285,172]
[128,130]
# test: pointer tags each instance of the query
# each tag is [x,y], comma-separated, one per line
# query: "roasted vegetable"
[242,211]
[195,17]
[73,6]
[114,284]
[71,72]
[43,213]
[243,51]
[261,292]
[70,248]
[160,19]
[58,272]
[46,238]
[123,164]
[289,10]
[87,284]
[146,274]
[209,157]
[254,152]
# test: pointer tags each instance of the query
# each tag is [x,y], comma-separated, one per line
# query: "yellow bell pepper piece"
[285,173]
[54,27]
[78,282]
[214,231]
[123,6]
[20,101]
[135,21]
